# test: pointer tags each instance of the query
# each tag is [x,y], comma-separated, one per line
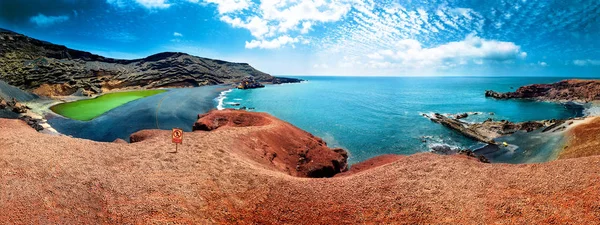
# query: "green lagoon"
[89,109]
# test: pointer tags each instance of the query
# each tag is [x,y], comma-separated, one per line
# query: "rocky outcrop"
[488,130]
[33,123]
[566,90]
[13,105]
[249,83]
[281,144]
[48,69]
[462,128]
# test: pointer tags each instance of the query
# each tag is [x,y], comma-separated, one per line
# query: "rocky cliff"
[567,90]
[49,69]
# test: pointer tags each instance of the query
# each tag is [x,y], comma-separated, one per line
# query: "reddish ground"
[583,140]
[222,176]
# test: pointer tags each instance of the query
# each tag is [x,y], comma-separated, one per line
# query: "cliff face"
[291,150]
[49,69]
[566,90]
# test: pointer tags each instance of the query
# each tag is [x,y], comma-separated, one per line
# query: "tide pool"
[370,116]
[89,109]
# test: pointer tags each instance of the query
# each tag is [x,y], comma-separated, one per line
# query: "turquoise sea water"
[370,116]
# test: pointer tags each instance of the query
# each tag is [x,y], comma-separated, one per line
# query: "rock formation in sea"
[55,70]
[227,175]
[249,83]
[567,90]
[489,129]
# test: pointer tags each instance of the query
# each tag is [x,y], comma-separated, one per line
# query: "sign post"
[177,137]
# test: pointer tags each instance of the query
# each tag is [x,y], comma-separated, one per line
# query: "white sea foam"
[237,99]
[221,98]
[593,110]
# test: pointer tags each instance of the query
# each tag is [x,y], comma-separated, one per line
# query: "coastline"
[221,97]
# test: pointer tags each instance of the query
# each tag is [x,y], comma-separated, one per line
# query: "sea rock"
[443,149]
[249,83]
[488,130]
[576,90]
[461,116]
[469,153]
[462,128]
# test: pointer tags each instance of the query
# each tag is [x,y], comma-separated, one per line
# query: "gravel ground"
[218,178]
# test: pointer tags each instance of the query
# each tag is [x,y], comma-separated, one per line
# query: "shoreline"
[226,89]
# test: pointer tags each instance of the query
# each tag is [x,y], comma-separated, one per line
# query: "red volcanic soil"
[223,176]
[583,140]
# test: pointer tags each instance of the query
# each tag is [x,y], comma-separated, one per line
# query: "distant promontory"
[55,70]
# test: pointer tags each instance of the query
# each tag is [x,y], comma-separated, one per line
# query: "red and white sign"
[177,136]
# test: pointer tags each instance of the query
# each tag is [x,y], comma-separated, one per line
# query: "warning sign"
[177,136]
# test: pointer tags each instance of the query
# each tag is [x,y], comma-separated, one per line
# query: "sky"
[332,37]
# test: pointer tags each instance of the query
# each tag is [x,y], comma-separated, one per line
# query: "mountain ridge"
[55,70]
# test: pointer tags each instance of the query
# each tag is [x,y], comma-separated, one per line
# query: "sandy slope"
[583,139]
[216,178]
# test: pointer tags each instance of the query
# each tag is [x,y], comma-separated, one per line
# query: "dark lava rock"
[34,123]
[566,90]
[461,116]
[249,83]
[469,153]
[443,149]
[49,69]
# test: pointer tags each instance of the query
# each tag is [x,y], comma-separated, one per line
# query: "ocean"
[370,116]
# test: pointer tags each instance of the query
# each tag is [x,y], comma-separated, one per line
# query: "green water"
[89,109]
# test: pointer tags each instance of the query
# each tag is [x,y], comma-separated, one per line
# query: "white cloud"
[228,6]
[586,62]
[544,64]
[306,27]
[410,53]
[257,26]
[321,66]
[272,18]
[150,4]
[275,43]
[43,20]
[177,34]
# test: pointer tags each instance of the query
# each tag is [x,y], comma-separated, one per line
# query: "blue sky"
[324,37]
